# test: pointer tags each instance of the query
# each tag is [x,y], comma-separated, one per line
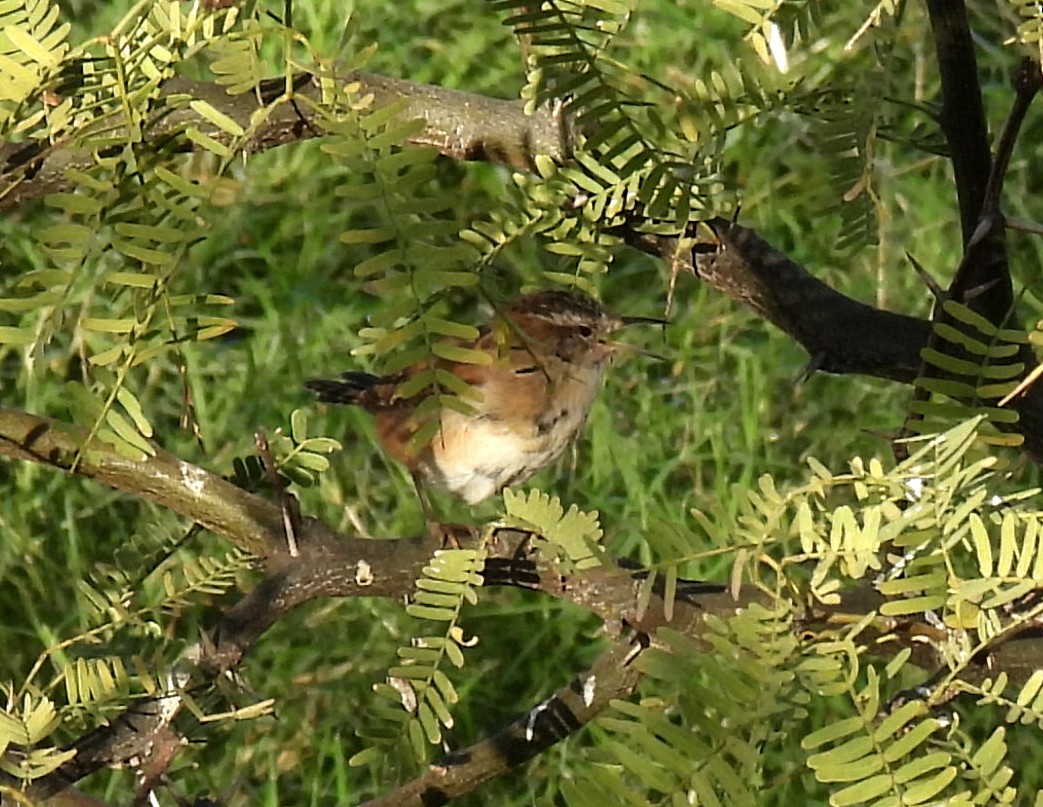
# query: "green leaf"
[863,791]
[912,605]
[147,255]
[925,790]
[208,143]
[138,280]
[107,325]
[962,313]
[431,613]
[949,363]
[461,355]
[74,203]
[133,408]
[16,336]
[67,233]
[151,232]
[991,753]
[182,185]
[17,305]
[371,235]
[836,730]
[26,43]
[216,117]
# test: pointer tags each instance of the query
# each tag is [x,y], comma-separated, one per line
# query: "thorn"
[940,294]
[814,364]
[977,291]
[1023,225]
[287,502]
[986,224]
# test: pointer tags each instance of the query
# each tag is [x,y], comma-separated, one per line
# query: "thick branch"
[329,563]
[461,125]
[963,113]
[841,335]
[249,521]
[514,560]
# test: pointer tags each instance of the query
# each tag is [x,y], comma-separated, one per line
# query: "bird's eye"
[585,331]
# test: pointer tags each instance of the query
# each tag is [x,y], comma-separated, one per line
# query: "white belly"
[496,454]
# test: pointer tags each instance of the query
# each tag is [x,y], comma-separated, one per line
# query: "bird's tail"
[351,388]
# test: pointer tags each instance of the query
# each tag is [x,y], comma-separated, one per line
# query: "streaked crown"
[567,309]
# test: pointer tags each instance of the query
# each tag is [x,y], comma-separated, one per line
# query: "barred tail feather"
[348,389]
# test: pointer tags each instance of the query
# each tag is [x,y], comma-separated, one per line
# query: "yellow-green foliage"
[939,534]
[414,704]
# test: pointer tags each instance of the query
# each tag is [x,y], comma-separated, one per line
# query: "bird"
[548,352]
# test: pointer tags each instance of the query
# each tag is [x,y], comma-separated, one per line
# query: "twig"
[291,515]
[1026,81]
[567,711]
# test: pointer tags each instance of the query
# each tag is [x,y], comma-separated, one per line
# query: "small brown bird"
[533,397]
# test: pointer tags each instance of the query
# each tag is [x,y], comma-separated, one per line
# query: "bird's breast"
[514,432]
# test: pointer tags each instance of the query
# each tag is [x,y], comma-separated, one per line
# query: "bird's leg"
[432,523]
[448,535]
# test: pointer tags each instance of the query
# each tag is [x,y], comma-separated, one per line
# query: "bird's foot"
[453,536]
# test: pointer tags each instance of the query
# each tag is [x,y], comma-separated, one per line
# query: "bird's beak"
[644,320]
[626,346]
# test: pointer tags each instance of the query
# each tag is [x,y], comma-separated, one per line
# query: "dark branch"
[979,178]
[567,711]
[963,113]
[984,264]
[1025,81]
[982,279]
[841,335]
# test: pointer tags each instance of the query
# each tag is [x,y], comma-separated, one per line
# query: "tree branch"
[334,565]
[329,565]
[567,711]
[461,125]
[841,335]
[963,113]
[248,521]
